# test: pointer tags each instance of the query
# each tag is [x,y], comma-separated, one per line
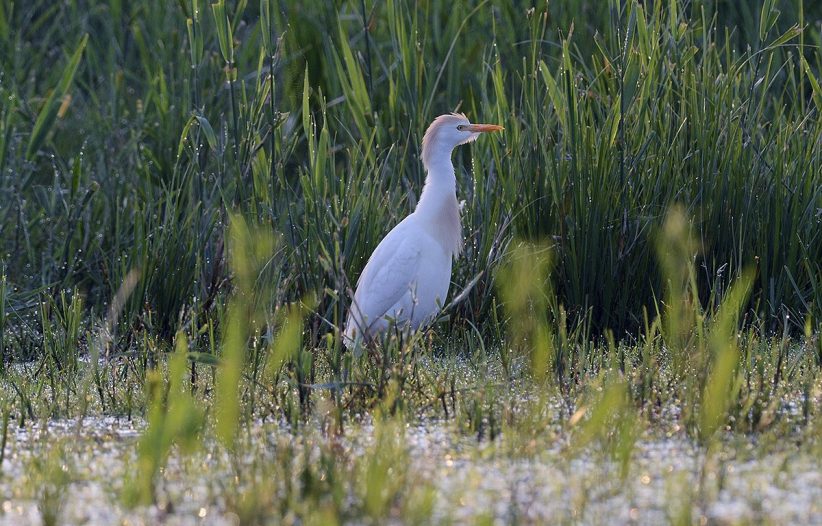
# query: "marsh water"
[74,471]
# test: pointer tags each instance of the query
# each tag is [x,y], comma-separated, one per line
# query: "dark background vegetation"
[612,115]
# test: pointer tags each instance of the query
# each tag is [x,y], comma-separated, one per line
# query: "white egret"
[406,279]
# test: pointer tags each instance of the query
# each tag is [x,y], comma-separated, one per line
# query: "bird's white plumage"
[406,279]
[388,276]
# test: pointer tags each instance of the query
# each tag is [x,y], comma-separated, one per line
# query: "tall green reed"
[298,116]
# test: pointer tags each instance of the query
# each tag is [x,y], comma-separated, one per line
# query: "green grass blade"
[48,114]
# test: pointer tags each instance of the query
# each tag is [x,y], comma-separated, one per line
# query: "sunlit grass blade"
[48,114]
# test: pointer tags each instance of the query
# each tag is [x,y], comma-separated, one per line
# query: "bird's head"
[449,131]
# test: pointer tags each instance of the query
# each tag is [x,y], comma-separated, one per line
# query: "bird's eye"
[461,127]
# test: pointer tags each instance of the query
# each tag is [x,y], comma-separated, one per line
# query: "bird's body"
[406,279]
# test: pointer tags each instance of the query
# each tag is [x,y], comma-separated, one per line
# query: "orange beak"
[483,128]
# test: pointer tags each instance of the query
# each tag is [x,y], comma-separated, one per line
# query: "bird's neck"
[438,204]
[440,188]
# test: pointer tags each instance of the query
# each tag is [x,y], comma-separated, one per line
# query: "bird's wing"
[387,275]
